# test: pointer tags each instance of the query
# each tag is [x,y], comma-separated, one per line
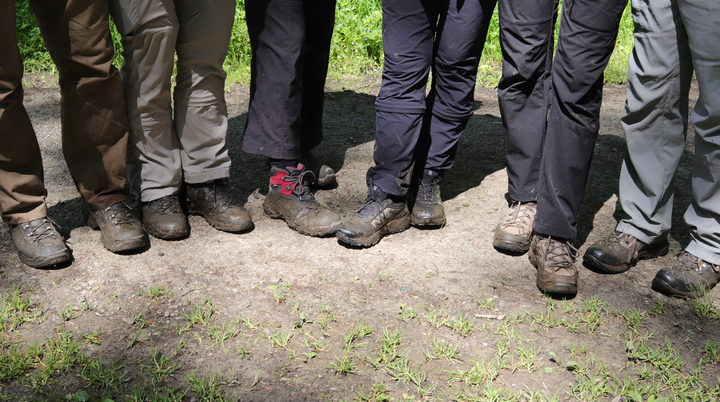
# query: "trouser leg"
[588,31]
[703,216]
[526,39]
[319,24]
[408,34]
[459,43]
[655,119]
[201,117]
[277,37]
[22,192]
[94,122]
[149,32]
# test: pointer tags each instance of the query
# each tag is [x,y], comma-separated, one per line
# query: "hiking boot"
[39,244]
[291,199]
[324,174]
[213,201]
[687,276]
[554,259]
[620,252]
[428,208]
[513,234]
[378,216]
[120,230]
[165,219]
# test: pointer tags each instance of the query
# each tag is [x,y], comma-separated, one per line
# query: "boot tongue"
[377,193]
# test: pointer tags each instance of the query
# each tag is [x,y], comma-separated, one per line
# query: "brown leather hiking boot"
[620,252]
[291,199]
[39,244]
[687,276]
[513,234]
[120,230]
[428,208]
[378,216]
[165,219]
[213,201]
[555,263]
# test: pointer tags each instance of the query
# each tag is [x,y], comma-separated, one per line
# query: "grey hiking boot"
[213,201]
[378,216]
[687,276]
[555,262]
[39,244]
[514,232]
[290,198]
[428,208]
[165,219]
[620,251]
[120,230]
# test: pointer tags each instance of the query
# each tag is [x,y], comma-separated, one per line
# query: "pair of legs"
[290,41]
[548,164]
[673,39]
[415,131]
[94,125]
[178,135]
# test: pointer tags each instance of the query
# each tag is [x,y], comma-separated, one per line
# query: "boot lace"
[560,255]
[519,217]
[41,231]
[120,214]
[296,181]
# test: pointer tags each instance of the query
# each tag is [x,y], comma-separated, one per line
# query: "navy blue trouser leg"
[588,32]
[420,35]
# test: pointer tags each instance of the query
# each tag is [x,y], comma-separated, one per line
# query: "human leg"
[655,123]
[526,39]
[22,192]
[408,34]
[94,122]
[459,42]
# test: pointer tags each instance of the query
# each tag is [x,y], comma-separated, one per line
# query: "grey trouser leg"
[669,34]
[191,145]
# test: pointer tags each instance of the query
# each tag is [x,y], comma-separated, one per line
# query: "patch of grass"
[460,324]
[407,313]
[156,292]
[442,349]
[16,308]
[361,330]
[344,364]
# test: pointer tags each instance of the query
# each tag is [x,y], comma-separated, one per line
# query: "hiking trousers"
[94,123]
[290,42]
[420,36]
[177,135]
[673,39]
[550,107]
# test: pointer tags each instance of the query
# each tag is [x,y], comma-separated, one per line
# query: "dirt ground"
[283,282]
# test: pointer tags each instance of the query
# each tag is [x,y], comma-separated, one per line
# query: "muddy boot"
[164,218]
[379,215]
[428,209]
[120,230]
[39,244]
[213,201]
[291,199]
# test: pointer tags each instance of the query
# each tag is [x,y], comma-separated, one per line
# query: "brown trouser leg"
[22,193]
[94,123]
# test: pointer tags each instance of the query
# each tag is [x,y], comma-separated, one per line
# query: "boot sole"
[396,226]
[427,222]
[45,262]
